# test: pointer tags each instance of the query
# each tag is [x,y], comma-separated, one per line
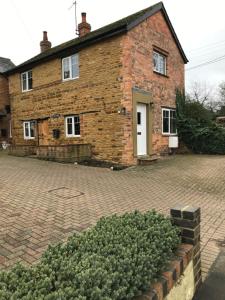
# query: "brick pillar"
[188,219]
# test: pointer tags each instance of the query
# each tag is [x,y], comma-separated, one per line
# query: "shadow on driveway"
[214,286]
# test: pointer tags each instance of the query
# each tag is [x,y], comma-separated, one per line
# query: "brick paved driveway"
[43,202]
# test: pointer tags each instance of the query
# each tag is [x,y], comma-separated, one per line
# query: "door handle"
[139,133]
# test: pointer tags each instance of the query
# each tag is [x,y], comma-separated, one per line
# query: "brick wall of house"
[96,95]
[4,100]
[138,72]
[108,72]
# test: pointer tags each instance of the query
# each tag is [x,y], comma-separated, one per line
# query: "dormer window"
[159,63]
[26,81]
[70,67]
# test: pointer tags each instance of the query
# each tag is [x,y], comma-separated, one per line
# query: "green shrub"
[196,130]
[116,259]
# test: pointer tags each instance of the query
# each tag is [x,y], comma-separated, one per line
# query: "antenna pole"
[75,5]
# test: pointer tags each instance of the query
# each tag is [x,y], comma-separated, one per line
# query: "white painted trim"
[21,79]
[168,133]
[71,135]
[70,67]
[24,131]
[165,58]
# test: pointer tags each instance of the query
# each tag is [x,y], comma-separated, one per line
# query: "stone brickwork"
[109,70]
[69,153]
[137,72]
[4,100]
[96,96]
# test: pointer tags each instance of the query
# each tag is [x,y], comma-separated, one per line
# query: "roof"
[118,27]
[5,64]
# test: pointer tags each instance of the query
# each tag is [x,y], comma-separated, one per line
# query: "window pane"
[77,125]
[32,129]
[165,125]
[66,68]
[173,125]
[29,74]
[69,126]
[30,83]
[165,113]
[165,121]
[29,80]
[75,66]
[75,71]
[155,61]
[159,61]
[26,129]
[24,82]
[74,59]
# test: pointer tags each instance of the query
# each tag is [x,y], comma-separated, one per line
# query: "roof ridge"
[118,27]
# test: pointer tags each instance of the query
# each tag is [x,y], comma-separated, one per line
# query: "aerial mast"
[75,10]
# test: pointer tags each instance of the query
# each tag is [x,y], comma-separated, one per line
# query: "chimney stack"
[84,27]
[45,44]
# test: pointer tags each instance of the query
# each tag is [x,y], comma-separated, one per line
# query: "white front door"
[141,129]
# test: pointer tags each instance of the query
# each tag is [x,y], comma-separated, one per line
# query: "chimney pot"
[45,36]
[83,15]
[45,44]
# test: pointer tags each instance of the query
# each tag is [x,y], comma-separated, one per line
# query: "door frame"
[141,96]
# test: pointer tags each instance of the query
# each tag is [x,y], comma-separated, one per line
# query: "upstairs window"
[169,121]
[72,126]
[70,67]
[29,130]
[159,62]
[26,81]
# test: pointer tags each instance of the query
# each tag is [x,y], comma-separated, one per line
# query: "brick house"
[112,89]
[5,130]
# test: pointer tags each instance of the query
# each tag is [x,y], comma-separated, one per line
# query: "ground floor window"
[29,130]
[72,126]
[169,121]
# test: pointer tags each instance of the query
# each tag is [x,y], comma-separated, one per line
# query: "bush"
[196,130]
[116,259]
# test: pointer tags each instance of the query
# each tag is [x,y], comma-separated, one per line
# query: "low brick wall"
[182,277]
[22,150]
[67,153]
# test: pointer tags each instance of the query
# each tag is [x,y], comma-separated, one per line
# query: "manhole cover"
[65,193]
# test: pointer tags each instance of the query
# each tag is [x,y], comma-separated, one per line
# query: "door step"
[147,159]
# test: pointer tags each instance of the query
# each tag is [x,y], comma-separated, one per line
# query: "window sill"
[160,74]
[29,138]
[27,91]
[69,79]
[169,134]
[72,136]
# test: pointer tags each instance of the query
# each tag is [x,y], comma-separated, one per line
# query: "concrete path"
[43,202]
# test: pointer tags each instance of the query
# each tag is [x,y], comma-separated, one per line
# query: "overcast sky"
[199,24]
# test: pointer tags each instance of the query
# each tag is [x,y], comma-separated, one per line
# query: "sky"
[199,25]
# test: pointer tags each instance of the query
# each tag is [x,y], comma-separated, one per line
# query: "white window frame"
[27,81]
[165,64]
[29,137]
[169,110]
[70,67]
[73,127]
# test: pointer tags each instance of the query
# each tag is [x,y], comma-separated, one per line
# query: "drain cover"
[65,193]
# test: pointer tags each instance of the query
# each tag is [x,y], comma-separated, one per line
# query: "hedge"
[116,259]
[198,133]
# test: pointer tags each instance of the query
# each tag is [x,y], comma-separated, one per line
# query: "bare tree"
[201,92]
[205,94]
